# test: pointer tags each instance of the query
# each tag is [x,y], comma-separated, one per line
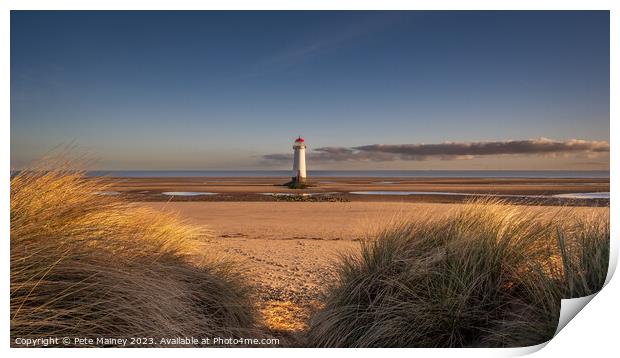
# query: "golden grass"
[486,274]
[90,265]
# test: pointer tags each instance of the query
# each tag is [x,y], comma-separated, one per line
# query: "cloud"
[278,157]
[449,150]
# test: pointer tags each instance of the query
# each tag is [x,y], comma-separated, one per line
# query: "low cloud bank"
[448,150]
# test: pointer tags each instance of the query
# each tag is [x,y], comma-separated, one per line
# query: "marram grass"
[488,274]
[90,265]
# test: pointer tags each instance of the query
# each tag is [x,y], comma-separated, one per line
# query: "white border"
[592,331]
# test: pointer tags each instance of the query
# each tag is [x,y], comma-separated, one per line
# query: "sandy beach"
[290,249]
[289,241]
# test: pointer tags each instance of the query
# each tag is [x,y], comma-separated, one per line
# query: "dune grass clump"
[488,274]
[91,265]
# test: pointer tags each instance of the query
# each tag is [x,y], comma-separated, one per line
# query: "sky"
[173,90]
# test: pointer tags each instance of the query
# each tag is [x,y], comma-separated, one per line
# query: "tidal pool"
[598,195]
[187,193]
[107,193]
[393,192]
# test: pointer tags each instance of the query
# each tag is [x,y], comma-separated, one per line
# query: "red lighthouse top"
[299,139]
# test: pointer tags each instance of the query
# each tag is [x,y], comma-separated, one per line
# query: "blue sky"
[220,90]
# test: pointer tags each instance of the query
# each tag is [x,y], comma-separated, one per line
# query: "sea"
[357,173]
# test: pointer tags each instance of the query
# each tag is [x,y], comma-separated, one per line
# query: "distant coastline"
[357,173]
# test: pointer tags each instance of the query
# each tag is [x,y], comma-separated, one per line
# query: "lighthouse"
[299,162]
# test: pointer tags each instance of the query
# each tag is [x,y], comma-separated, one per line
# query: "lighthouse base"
[297,183]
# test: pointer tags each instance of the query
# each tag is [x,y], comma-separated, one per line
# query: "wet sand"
[341,188]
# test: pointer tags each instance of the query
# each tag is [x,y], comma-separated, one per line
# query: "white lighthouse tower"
[299,161]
